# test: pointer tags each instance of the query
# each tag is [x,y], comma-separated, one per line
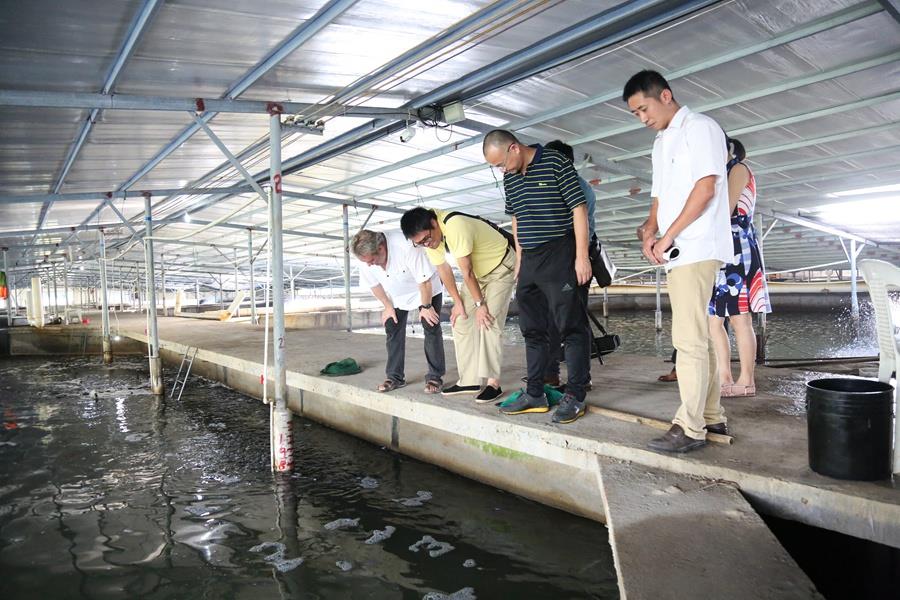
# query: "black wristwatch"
[424,306]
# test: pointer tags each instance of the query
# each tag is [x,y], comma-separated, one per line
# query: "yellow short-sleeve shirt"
[474,238]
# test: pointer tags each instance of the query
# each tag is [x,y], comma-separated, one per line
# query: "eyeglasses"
[425,241]
[502,166]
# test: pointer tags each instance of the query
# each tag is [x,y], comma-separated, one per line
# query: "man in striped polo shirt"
[550,222]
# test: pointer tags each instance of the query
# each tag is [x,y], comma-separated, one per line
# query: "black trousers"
[395,334]
[554,356]
[548,292]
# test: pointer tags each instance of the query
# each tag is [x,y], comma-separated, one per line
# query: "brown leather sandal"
[433,386]
[389,385]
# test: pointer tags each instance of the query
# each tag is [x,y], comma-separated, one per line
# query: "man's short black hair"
[500,138]
[563,148]
[416,220]
[649,83]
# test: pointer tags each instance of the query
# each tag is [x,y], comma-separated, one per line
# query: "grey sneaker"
[527,404]
[569,410]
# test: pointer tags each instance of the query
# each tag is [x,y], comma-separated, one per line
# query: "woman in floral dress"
[740,289]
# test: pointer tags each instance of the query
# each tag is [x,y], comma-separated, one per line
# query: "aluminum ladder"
[187,360]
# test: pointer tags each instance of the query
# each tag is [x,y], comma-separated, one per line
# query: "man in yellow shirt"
[486,260]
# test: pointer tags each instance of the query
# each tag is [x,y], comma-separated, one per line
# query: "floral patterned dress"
[741,285]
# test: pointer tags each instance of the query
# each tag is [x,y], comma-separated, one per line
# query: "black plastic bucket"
[850,427]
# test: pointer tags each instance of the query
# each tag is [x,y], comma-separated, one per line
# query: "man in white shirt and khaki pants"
[690,208]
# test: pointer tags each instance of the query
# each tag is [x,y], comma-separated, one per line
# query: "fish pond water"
[109,492]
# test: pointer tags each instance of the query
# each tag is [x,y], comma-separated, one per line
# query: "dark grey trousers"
[395,334]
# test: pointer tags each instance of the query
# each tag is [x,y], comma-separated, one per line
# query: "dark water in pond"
[791,335]
[120,495]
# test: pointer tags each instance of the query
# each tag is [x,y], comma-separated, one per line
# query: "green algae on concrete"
[496,450]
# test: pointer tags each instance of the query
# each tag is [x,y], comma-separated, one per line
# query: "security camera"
[408,134]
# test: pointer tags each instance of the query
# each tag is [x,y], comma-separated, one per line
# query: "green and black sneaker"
[523,403]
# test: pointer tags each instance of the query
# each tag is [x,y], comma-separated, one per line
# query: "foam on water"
[342,524]
[466,593]
[421,498]
[379,535]
[368,483]
[434,547]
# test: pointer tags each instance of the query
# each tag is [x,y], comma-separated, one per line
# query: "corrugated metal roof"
[818,111]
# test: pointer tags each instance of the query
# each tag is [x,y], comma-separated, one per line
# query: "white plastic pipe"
[282,443]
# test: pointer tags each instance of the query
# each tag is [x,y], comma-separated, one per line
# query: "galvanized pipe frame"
[195,106]
[139,25]
[840,18]
[547,50]
[803,33]
[422,51]
[784,86]
[630,205]
[300,35]
[104,303]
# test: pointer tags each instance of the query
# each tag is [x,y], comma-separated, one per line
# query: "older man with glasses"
[402,279]
[486,259]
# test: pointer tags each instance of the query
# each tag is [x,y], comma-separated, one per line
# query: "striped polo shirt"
[542,200]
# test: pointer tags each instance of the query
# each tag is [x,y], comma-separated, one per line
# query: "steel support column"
[9,296]
[104,302]
[347,267]
[55,292]
[237,309]
[66,292]
[854,300]
[11,282]
[157,386]
[253,318]
[162,265]
[282,439]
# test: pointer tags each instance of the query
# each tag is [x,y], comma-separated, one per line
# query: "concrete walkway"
[529,455]
[694,535]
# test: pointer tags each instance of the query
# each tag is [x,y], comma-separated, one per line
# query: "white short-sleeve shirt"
[690,148]
[407,267]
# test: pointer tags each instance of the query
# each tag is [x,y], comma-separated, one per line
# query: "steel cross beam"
[811,224]
[589,35]
[138,26]
[298,37]
[424,50]
[101,196]
[108,101]
[840,18]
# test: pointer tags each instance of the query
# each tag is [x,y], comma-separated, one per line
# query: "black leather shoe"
[720,428]
[674,440]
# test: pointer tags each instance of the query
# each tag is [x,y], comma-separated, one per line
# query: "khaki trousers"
[690,287]
[479,352]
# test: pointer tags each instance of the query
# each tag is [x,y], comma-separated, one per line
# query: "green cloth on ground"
[346,366]
[553,396]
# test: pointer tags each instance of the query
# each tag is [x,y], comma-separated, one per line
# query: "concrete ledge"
[529,455]
[66,340]
[696,535]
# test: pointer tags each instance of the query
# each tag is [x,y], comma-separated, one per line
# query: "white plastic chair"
[882,277]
